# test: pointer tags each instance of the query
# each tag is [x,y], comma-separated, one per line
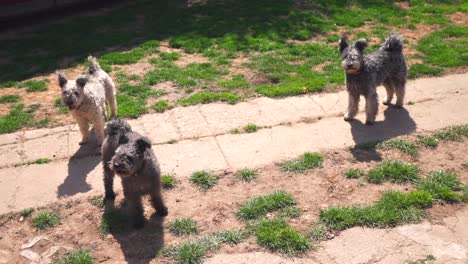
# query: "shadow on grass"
[85,159]
[229,25]
[397,122]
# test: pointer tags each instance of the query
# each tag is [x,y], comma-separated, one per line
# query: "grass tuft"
[46,219]
[394,208]
[34,85]
[162,106]
[277,236]
[418,70]
[75,257]
[204,180]
[394,171]
[428,141]
[62,109]
[183,226]
[209,97]
[9,99]
[402,145]
[168,182]
[169,56]
[443,186]
[236,82]
[261,205]
[27,212]
[250,128]
[290,212]
[453,133]
[306,162]
[353,173]
[246,175]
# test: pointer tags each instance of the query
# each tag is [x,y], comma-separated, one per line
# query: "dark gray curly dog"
[129,155]
[364,73]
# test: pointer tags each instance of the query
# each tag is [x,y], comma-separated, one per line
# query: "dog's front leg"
[84,129]
[353,107]
[372,107]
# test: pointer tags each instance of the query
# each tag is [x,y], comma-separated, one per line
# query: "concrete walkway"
[446,242]
[292,126]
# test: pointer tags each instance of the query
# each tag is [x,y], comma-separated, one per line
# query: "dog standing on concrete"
[86,99]
[364,73]
[129,155]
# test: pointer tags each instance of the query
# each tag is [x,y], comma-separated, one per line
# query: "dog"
[86,99]
[116,130]
[364,73]
[134,162]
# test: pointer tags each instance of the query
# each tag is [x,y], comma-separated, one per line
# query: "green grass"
[162,106]
[446,48]
[193,251]
[419,69]
[453,133]
[443,186]
[27,212]
[34,85]
[131,107]
[15,119]
[209,97]
[46,219]
[9,99]
[236,82]
[276,235]
[170,56]
[204,180]
[261,205]
[168,182]
[246,175]
[8,84]
[306,162]
[172,141]
[393,171]
[40,161]
[250,128]
[62,109]
[318,232]
[234,131]
[353,173]
[289,212]
[428,142]
[394,208]
[113,221]
[183,226]
[402,145]
[80,256]
[97,201]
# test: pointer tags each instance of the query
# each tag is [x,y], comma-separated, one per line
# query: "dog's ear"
[343,44]
[361,44]
[143,143]
[82,80]
[62,78]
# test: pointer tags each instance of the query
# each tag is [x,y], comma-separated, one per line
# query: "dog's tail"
[393,43]
[93,65]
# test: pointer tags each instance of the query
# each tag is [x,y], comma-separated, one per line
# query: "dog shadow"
[80,164]
[397,122]
[139,246]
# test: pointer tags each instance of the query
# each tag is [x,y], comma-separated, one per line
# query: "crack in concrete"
[214,137]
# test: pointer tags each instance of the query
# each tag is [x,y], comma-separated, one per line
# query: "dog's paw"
[82,142]
[386,102]
[370,123]
[399,105]
[347,118]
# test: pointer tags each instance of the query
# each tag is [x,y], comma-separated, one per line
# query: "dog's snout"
[69,102]
[350,65]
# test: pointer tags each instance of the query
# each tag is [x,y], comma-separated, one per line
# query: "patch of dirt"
[174,93]
[459,18]
[403,5]
[215,210]
[252,77]
[140,68]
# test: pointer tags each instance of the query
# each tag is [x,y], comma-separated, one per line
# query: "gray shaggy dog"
[364,73]
[129,155]
[86,99]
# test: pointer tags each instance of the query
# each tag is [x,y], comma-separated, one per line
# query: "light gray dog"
[86,99]
[134,161]
[364,73]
